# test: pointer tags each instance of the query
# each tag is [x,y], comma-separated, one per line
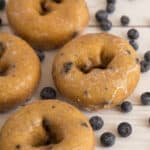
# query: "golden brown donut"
[96,70]
[47,125]
[47,23]
[19,71]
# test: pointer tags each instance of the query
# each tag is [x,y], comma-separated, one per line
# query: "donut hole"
[46,6]
[52,135]
[44,9]
[105,60]
[57,1]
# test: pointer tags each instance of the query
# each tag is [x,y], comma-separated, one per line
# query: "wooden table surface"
[139,13]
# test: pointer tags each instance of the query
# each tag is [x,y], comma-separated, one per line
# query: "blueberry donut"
[47,125]
[19,71]
[96,70]
[47,24]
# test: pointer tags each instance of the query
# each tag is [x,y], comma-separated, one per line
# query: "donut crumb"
[61,54]
[137,60]
[18,146]
[53,107]
[128,52]
[74,34]
[84,124]
[106,88]
[86,92]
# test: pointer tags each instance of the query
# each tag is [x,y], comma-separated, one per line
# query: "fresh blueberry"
[134,44]
[110,8]
[96,122]
[2,4]
[40,54]
[67,66]
[147,56]
[101,15]
[111,1]
[48,93]
[125,20]
[126,107]
[124,129]
[106,25]
[145,98]
[108,139]
[133,34]
[145,66]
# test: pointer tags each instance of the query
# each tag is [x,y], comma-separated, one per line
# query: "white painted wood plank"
[140,138]
[137,10]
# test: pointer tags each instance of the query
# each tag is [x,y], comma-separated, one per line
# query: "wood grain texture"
[139,13]
[137,10]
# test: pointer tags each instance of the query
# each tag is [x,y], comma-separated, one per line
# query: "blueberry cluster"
[108,139]
[102,15]
[124,129]
[106,25]
[133,35]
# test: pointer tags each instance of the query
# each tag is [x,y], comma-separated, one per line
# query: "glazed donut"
[47,125]
[96,71]
[19,71]
[47,24]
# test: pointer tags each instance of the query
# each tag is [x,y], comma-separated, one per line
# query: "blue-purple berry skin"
[48,93]
[125,20]
[101,15]
[147,56]
[106,25]
[124,129]
[134,44]
[133,34]
[110,7]
[96,122]
[145,66]
[126,107]
[145,98]
[107,139]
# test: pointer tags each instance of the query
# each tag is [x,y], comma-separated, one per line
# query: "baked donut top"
[19,70]
[46,22]
[46,125]
[96,68]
